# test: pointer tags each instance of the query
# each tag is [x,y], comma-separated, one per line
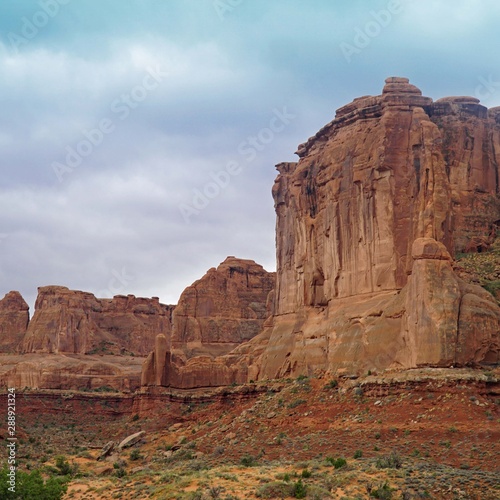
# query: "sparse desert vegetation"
[411,435]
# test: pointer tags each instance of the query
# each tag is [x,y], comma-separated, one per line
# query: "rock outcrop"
[67,321]
[14,319]
[225,308]
[368,221]
[221,310]
[156,367]
[100,373]
[447,322]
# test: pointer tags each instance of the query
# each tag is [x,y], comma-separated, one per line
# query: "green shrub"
[32,486]
[333,384]
[248,461]
[299,489]
[358,454]
[296,403]
[383,492]
[120,472]
[135,455]
[338,463]
[392,461]
[275,490]
[64,468]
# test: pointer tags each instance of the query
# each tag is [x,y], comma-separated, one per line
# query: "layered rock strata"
[68,321]
[101,373]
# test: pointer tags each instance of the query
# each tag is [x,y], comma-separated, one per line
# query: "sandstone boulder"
[131,440]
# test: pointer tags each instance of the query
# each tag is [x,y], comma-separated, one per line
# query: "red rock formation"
[222,310]
[71,372]
[470,145]
[447,322]
[67,321]
[14,318]
[391,188]
[156,368]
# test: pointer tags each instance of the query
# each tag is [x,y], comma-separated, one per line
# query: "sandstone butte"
[368,223]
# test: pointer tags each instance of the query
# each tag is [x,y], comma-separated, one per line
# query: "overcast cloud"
[139,137]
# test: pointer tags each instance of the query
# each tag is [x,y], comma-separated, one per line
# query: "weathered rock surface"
[368,221]
[14,318]
[71,372]
[67,321]
[106,450]
[221,310]
[156,368]
[131,440]
[447,321]
[225,308]
[386,172]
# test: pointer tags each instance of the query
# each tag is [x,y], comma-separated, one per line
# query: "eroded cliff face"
[221,310]
[67,321]
[389,169]
[225,308]
[14,319]
[386,172]
[368,222]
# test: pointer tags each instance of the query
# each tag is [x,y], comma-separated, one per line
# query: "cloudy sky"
[139,137]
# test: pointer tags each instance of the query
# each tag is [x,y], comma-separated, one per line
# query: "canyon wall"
[389,171]
[368,222]
[78,342]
